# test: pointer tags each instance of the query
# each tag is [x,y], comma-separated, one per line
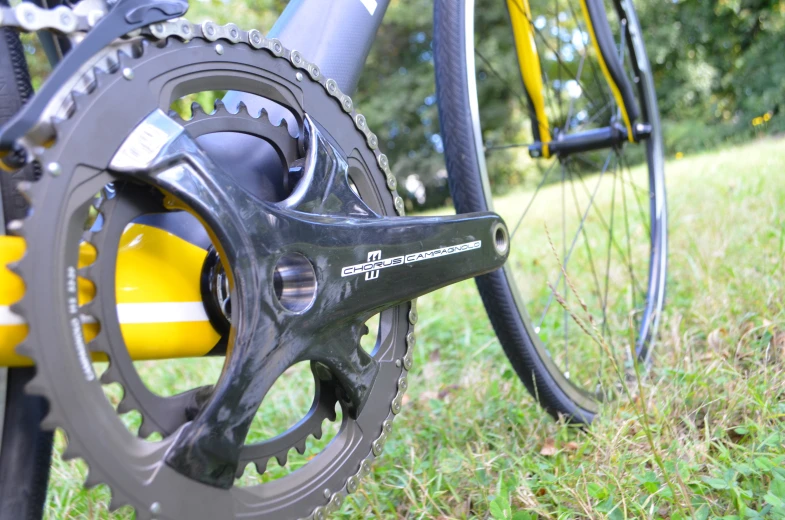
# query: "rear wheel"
[598,216]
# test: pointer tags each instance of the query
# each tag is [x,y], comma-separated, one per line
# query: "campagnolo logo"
[376,263]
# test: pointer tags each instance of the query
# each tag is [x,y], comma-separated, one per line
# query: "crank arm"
[339,270]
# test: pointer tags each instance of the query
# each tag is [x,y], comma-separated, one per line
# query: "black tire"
[25,451]
[470,190]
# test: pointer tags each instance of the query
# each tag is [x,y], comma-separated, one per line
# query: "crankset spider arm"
[123,18]
[346,269]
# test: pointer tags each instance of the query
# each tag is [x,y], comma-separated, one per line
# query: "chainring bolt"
[54,169]
[299,76]
[327,493]
[14,225]
[155,508]
[219,49]
[128,73]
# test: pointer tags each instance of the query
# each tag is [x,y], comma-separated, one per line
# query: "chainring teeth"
[38,385]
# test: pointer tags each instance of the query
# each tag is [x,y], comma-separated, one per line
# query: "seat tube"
[336,35]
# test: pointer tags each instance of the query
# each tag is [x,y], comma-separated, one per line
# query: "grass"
[704,436]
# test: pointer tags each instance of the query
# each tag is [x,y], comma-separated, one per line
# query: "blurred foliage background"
[719,69]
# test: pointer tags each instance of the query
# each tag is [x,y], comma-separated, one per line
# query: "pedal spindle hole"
[294,281]
[501,240]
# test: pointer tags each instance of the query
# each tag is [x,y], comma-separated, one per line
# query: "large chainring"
[217,58]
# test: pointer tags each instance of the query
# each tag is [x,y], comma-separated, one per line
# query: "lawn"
[704,437]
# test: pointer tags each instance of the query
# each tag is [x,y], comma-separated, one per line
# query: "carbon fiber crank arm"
[302,284]
[125,17]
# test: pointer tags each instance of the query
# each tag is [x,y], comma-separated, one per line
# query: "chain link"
[28,17]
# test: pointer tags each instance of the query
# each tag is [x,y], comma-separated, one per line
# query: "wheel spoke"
[572,99]
[531,201]
[601,85]
[506,146]
[525,104]
[629,240]
[608,263]
[565,317]
[559,96]
[598,292]
[632,185]
[605,225]
[575,239]
[557,55]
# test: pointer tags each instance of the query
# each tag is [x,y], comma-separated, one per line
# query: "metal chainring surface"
[131,467]
[129,201]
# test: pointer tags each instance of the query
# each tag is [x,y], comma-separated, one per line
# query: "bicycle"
[136,212]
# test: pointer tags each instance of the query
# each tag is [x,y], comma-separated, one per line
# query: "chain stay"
[28,17]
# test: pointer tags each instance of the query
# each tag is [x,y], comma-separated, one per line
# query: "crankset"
[297,269]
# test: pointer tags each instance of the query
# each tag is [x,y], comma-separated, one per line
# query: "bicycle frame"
[160,308]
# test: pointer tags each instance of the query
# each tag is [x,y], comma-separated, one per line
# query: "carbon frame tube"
[335,34]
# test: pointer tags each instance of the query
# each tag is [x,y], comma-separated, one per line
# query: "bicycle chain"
[231,33]
[28,17]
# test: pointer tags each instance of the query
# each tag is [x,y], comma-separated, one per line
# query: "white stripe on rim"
[167,312]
